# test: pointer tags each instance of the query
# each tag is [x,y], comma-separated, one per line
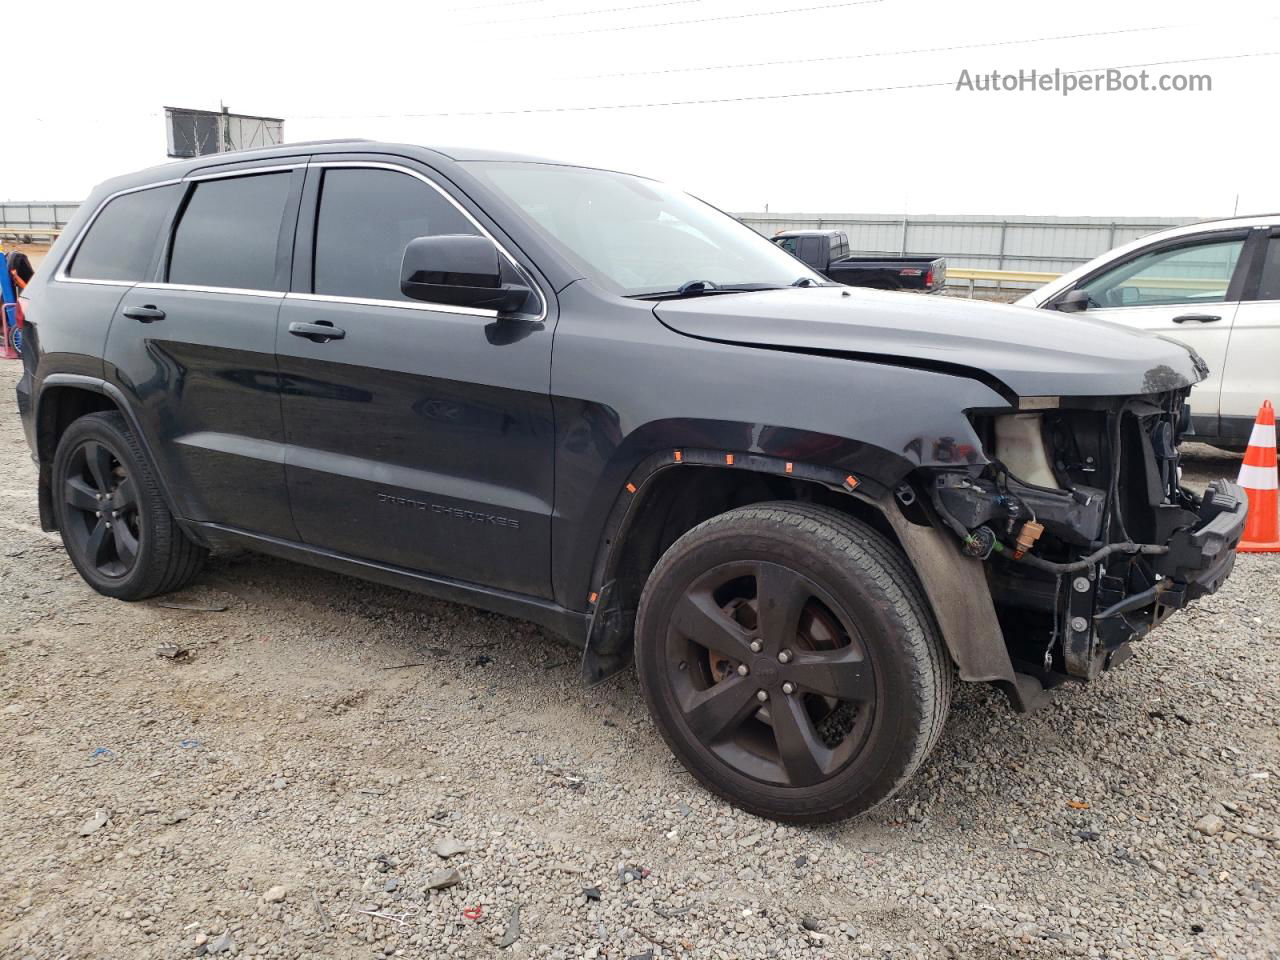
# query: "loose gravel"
[279,762]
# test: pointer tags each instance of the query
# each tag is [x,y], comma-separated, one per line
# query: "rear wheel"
[114,523]
[790,661]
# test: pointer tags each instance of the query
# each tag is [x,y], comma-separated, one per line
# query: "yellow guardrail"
[13,230]
[1039,279]
[1000,276]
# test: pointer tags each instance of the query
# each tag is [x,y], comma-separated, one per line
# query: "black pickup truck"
[827,251]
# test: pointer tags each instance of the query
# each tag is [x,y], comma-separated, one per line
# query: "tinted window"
[1196,273]
[788,244]
[366,219]
[122,239]
[811,249]
[227,235]
[1270,288]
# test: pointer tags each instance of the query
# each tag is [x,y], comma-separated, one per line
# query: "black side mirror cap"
[1073,302]
[459,270]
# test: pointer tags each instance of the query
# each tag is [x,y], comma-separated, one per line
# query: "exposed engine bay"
[1087,536]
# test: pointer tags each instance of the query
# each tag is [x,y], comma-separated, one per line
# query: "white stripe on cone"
[1263,435]
[1258,478]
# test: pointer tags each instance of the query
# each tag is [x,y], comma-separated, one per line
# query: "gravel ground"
[289,787]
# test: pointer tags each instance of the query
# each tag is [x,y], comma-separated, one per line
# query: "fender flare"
[116,396]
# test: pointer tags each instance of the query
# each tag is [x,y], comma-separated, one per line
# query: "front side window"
[365,220]
[788,244]
[228,234]
[122,239]
[1190,274]
[637,236]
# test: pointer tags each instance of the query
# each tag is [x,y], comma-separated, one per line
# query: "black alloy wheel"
[101,509]
[113,519]
[789,658]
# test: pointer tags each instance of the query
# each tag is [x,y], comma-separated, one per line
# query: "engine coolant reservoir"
[1020,446]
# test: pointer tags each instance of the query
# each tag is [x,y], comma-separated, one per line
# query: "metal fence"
[1025,244]
[35,219]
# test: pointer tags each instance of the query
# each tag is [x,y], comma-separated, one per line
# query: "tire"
[115,526]
[855,679]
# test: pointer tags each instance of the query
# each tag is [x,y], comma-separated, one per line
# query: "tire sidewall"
[880,765]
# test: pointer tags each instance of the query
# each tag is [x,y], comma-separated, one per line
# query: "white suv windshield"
[640,236]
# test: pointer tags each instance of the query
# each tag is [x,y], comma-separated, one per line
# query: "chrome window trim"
[196,288]
[245,171]
[61,275]
[426,305]
[402,304]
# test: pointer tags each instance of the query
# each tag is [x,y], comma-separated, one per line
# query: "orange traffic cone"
[1259,478]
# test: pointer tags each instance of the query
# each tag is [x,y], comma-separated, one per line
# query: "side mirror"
[1074,302]
[460,270]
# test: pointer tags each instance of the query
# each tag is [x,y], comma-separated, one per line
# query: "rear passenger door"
[194,348]
[420,435]
[1252,372]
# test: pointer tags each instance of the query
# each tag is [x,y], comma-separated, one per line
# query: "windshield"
[638,236]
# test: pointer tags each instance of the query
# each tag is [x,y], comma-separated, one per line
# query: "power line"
[588,13]
[883,53]
[719,19]
[490,6]
[752,97]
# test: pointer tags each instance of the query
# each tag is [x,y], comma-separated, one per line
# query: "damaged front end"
[1089,539]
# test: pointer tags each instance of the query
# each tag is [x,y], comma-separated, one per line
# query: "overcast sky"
[899,138]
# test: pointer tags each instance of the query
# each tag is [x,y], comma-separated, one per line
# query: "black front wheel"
[114,523]
[790,660]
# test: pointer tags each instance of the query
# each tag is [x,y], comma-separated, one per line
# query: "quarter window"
[366,219]
[1191,274]
[122,239]
[229,232]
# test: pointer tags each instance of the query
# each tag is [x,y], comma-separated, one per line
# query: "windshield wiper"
[704,288]
[805,282]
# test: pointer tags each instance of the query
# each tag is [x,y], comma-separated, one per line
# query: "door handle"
[321,332]
[1197,318]
[145,314]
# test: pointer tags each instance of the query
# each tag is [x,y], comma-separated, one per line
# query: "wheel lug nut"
[762,695]
[97,513]
[756,646]
[784,656]
[742,670]
[788,687]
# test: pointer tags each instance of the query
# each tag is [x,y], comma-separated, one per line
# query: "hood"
[1033,352]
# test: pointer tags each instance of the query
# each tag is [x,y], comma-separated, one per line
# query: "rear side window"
[122,239]
[228,234]
[1270,287]
[365,220]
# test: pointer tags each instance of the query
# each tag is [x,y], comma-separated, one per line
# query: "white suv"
[1216,287]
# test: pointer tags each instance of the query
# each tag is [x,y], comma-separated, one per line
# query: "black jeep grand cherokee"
[592,401]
